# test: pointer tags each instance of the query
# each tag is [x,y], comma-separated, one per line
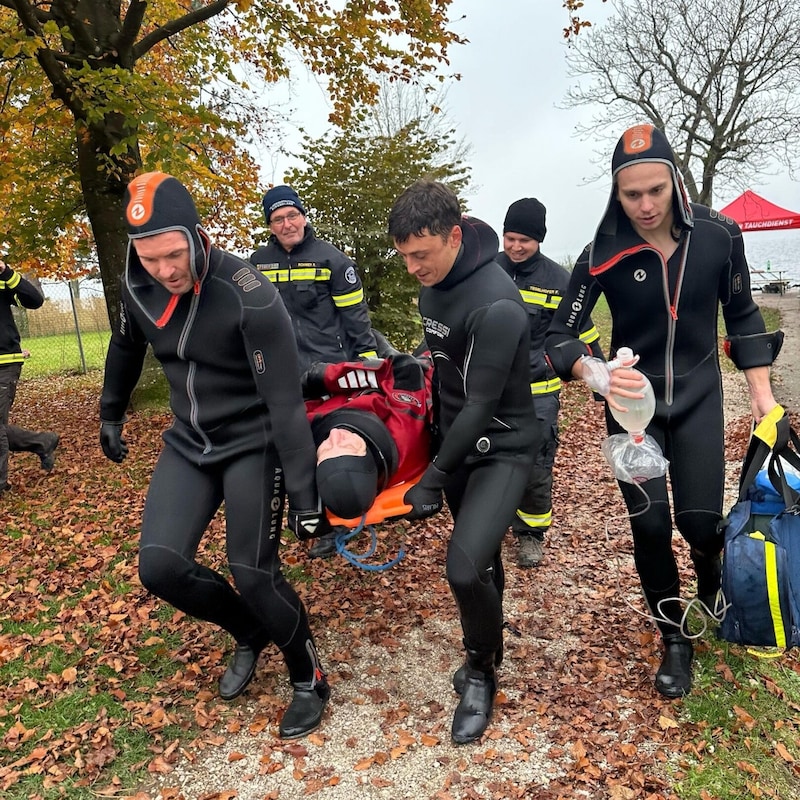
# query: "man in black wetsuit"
[477,331]
[240,435]
[665,266]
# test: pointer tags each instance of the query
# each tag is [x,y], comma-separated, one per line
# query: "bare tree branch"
[720,77]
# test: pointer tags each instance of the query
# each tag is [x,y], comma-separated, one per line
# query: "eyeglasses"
[280,221]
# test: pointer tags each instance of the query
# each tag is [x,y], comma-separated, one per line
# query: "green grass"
[62,353]
[130,747]
[746,710]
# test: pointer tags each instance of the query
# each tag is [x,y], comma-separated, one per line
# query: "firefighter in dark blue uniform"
[322,292]
[20,292]
[541,283]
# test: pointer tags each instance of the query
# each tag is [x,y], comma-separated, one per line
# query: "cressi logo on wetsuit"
[436,328]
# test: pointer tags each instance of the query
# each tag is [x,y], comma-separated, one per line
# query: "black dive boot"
[674,676]
[460,675]
[477,698]
[311,690]
[709,579]
[241,667]
[304,713]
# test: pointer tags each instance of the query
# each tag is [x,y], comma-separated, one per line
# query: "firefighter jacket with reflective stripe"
[322,292]
[542,283]
[14,291]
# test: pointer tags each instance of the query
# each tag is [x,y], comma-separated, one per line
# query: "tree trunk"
[104,194]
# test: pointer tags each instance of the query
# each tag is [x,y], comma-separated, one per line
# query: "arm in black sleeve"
[563,344]
[741,313]
[124,362]
[348,297]
[23,292]
[272,352]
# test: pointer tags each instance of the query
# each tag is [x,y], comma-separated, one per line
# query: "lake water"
[773,253]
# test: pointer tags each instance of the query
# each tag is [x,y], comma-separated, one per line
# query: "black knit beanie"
[278,197]
[348,485]
[526,217]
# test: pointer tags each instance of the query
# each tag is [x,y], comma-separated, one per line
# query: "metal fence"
[69,333]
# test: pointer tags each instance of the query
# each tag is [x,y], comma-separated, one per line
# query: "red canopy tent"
[754,213]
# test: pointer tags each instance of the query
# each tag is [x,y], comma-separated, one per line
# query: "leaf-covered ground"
[109,692]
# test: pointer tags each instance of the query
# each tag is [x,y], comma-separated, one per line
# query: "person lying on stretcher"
[372,424]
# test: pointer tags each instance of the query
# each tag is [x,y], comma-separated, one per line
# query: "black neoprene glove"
[313,380]
[307,525]
[114,446]
[6,273]
[425,497]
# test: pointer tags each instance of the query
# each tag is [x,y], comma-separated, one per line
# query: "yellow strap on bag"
[767,429]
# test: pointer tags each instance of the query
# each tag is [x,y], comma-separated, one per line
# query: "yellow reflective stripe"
[587,337]
[11,358]
[540,299]
[12,282]
[346,300]
[771,564]
[368,354]
[287,275]
[536,520]
[767,429]
[546,387]
[771,570]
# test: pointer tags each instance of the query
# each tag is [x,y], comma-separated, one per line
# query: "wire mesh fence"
[69,333]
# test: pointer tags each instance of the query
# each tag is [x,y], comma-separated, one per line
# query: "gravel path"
[786,372]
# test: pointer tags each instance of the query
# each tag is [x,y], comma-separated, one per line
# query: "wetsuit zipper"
[194,405]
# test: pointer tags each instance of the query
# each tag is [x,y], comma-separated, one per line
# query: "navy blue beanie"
[278,197]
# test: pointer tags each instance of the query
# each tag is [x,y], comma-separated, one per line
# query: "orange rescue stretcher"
[388,504]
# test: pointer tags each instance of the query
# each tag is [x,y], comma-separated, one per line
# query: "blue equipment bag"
[761,559]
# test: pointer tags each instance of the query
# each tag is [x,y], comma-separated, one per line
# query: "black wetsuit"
[240,434]
[477,330]
[667,314]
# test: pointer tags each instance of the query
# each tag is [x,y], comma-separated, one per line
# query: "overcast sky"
[513,77]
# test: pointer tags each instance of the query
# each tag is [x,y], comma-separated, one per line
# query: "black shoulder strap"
[773,439]
[777,469]
[772,432]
